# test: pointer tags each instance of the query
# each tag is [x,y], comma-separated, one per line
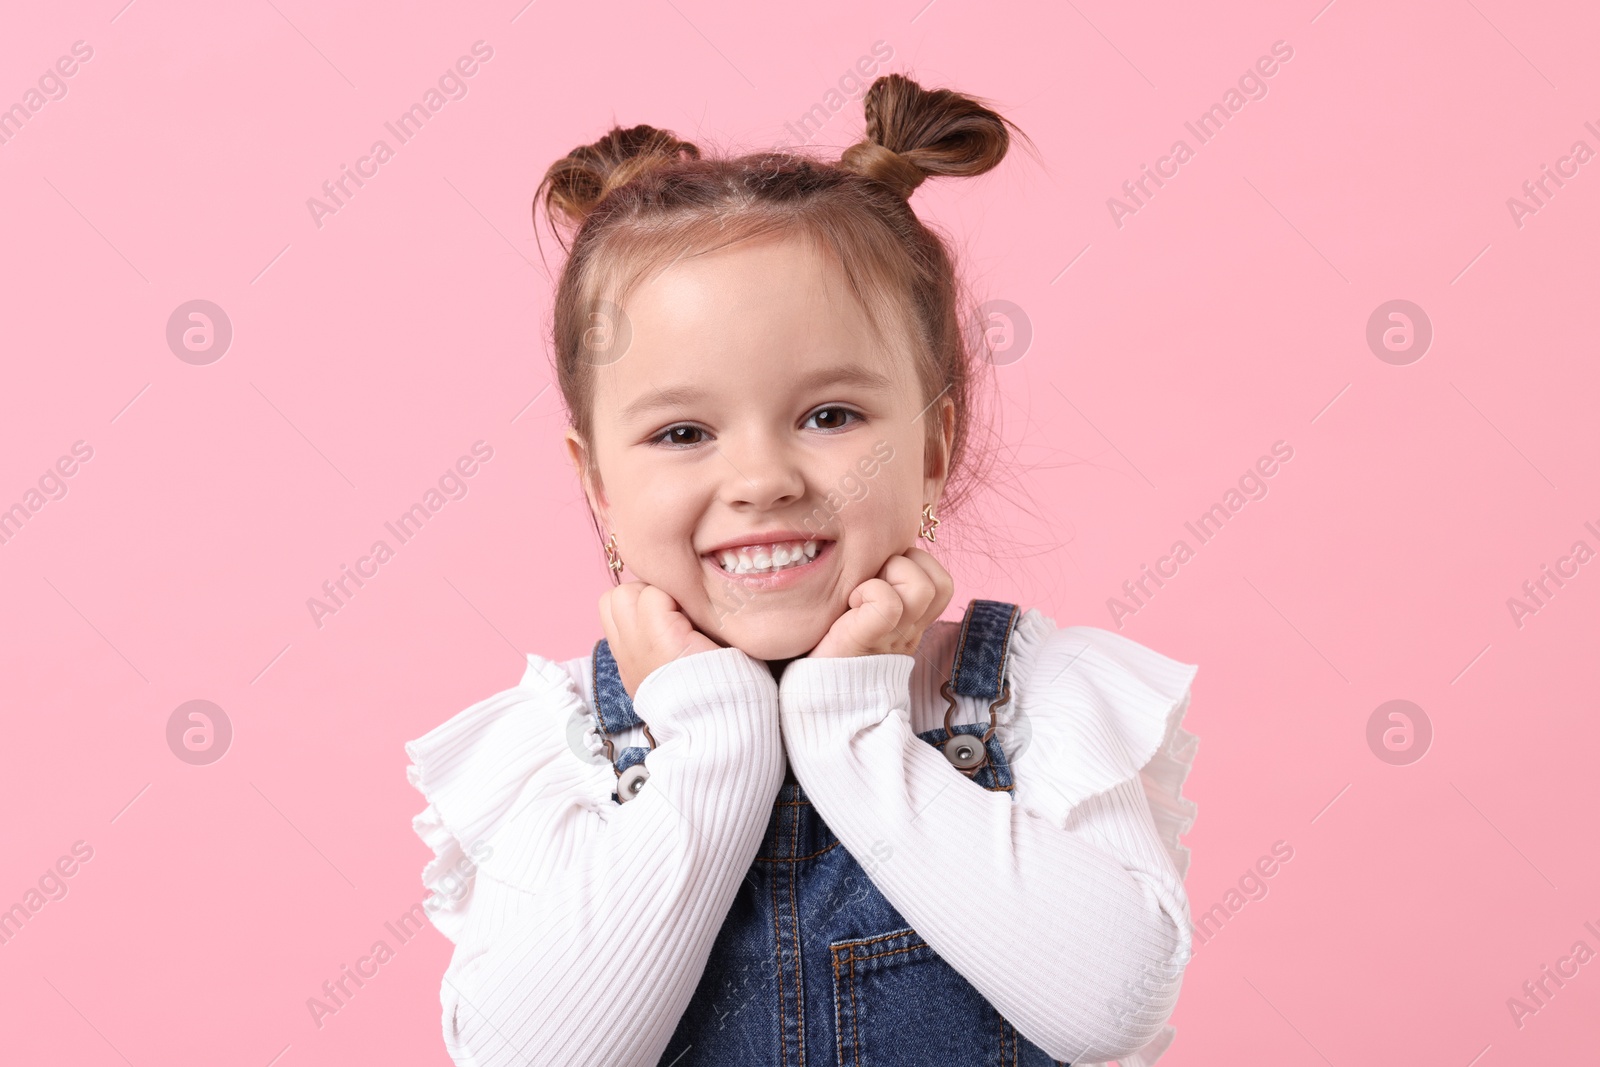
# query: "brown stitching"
[777,948]
[837,955]
[834,957]
[961,641]
[794,833]
[799,956]
[1005,647]
[855,1025]
[892,952]
[796,859]
[855,1015]
[875,940]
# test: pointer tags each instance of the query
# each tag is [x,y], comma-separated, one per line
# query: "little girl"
[782,814]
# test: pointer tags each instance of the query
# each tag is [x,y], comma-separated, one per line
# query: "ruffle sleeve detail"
[1163,778]
[1095,709]
[484,768]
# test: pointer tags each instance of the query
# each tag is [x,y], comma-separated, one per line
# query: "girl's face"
[754,405]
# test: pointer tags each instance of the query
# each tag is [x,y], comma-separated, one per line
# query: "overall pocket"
[897,1003]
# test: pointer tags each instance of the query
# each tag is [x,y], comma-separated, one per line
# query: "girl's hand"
[890,613]
[646,629]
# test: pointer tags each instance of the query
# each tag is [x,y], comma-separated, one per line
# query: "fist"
[890,613]
[646,629]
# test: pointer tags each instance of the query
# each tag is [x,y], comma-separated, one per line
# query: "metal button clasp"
[630,782]
[966,752]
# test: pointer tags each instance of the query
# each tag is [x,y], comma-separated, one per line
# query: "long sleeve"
[581,905]
[1087,924]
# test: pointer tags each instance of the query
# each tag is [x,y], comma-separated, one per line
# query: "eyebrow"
[680,395]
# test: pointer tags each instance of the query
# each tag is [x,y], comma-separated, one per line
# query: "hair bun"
[913,133]
[575,184]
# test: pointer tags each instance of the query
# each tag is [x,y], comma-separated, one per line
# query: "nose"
[764,472]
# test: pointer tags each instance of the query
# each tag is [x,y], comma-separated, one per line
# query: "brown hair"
[641,198]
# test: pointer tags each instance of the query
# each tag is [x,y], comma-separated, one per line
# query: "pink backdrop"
[1174,341]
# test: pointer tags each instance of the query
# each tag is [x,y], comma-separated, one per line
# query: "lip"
[779,579]
[764,537]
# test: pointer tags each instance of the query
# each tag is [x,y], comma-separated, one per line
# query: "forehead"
[750,321]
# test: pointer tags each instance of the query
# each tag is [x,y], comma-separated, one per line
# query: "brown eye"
[833,418]
[678,435]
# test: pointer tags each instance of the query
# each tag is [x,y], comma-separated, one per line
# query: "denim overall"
[813,965]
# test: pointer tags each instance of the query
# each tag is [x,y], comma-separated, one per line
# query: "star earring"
[930,523]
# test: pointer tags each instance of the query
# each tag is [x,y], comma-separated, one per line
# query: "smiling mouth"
[758,561]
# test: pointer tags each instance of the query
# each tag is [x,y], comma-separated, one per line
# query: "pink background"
[1228,313]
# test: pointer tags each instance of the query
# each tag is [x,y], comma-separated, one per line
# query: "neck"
[776,666]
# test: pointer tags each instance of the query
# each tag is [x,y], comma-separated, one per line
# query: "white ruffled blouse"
[558,899]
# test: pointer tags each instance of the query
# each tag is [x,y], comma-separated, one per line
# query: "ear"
[938,464]
[588,476]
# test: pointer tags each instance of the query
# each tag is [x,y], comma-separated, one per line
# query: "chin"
[773,646]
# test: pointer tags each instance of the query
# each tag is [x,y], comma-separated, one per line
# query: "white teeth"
[749,559]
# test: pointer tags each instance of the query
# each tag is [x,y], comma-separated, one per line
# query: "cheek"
[656,521]
[654,502]
[883,523]
[889,506]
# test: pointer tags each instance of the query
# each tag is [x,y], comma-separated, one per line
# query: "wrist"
[700,681]
[818,685]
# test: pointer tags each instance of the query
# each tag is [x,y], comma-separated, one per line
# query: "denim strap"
[613,707]
[977,669]
[981,657]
